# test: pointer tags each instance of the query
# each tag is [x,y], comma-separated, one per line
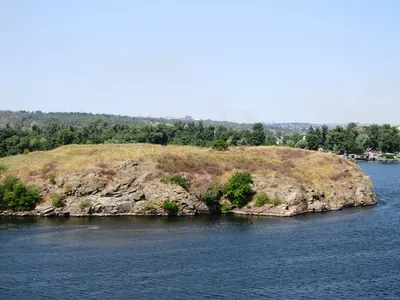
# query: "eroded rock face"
[130,189]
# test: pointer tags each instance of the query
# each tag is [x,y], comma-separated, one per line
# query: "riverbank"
[119,180]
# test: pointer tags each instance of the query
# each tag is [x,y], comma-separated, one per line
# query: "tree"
[17,196]
[270,140]
[65,137]
[239,189]
[389,140]
[336,139]
[373,132]
[312,139]
[362,141]
[290,143]
[257,137]
[324,133]
[302,144]
[351,136]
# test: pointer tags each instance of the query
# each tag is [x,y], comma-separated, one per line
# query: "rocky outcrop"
[127,188]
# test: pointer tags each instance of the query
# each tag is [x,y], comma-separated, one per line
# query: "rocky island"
[108,180]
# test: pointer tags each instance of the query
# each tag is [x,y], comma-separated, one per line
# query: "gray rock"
[138,196]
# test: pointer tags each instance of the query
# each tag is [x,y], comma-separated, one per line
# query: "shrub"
[171,208]
[83,204]
[261,199]
[276,201]
[212,196]
[52,178]
[238,189]
[220,145]
[226,207]
[3,168]
[26,151]
[149,208]
[57,201]
[178,179]
[17,196]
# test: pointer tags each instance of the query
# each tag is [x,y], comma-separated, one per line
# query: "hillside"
[126,179]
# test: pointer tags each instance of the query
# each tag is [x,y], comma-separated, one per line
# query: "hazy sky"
[313,61]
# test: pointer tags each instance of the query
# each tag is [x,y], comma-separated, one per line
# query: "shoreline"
[66,214]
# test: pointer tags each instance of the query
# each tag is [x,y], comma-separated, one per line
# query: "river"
[349,254]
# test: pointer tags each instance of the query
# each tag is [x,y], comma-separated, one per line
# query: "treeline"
[352,139]
[15,140]
[52,135]
[26,118]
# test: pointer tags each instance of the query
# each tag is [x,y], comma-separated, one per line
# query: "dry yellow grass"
[280,164]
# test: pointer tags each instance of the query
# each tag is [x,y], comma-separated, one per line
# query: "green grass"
[170,207]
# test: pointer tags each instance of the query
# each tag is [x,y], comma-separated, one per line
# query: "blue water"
[350,254]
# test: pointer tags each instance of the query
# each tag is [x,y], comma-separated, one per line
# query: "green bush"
[171,208]
[220,145]
[17,196]
[178,179]
[212,196]
[226,207]
[238,189]
[52,178]
[26,151]
[57,201]
[261,199]
[3,168]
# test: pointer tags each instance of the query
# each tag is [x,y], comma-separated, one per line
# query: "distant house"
[373,154]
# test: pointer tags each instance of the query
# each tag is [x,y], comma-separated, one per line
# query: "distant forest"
[22,132]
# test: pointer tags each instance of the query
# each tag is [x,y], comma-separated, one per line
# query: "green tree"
[312,139]
[239,189]
[270,140]
[389,140]
[17,196]
[373,132]
[336,140]
[350,139]
[362,141]
[65,137]
[302,144]
[257,137]
[324,133]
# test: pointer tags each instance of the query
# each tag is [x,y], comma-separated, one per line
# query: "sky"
[244,61]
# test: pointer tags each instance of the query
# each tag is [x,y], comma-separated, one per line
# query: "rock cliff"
[300,181]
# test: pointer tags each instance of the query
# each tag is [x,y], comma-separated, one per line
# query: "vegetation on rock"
[177,179]
[293,175]
[52,178]
[170,207]
[57,200]
[225,207]
[212,196]
[260,199]
[17,196]
[239,189]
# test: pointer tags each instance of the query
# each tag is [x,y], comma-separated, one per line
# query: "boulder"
[91,188]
